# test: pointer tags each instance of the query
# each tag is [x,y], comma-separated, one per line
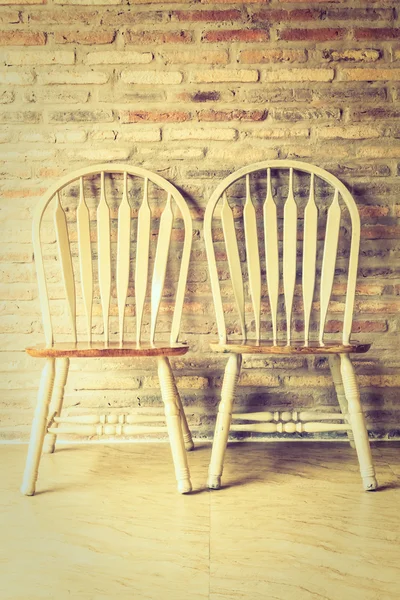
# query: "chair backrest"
[272,205]
[122,238]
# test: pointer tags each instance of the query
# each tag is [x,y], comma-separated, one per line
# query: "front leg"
[38,429]
[62,368]
[357,422]
[170,397]
[334,365]
[231,376]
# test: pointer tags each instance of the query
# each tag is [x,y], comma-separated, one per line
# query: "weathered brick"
[350,132]
[71,77]
[299,75]
[35,137]
[377,33]
[71,137]
[89,2]
[282,15]
[279,133]
[54,95]
[152,77]
[20,117]
[158,37]
[80,116]
[16,78]
[115,57]
[199,57]
[378,112]
[130,95]
[232,115]
[272,56]
[236,35]
[345,92]
[22,38]
[100,153]
[141,135]
[42,57]
[123,18]
[224,76]
[258,380]
[6,96]
[364,55]
[315,35]
[10,16]
[377,74]
[305,114]
[359,14]
[275,94]
[200,134]
[131,116]
[84,37]
[206,15]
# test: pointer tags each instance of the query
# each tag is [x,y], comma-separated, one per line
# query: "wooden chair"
[81,237]
[261,229]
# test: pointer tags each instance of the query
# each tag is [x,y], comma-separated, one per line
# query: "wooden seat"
[267,347]
[104,251]
[272,251]
[112,349]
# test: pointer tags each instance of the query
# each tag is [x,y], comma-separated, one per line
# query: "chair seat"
[267,347]
[99,349]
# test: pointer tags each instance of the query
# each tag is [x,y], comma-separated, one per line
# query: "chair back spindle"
[296,223]
[72,216]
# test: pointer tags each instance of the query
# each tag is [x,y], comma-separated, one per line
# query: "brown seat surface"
[99,349]
[266,347]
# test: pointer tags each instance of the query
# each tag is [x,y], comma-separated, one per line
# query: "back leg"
[334,365]
[38,428]
[62,368]
[357,421]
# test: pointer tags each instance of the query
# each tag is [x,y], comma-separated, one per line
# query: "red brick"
[232,115]
[236,35]
[158,37]
[130,116]
[282,15]
[22,38]
[357,326]
[375,33]
[316,35]
[84,37]
[206,15]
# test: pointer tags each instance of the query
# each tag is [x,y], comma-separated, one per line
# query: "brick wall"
[193,91]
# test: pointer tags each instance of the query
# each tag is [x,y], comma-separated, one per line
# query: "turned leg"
[224,417]
[334,365]
[187,436]
[38,428]
[357,422]
[62,366]
[170,398]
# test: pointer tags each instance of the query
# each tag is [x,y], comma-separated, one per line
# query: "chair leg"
[38,428]
[187,436]
[334,365]
[224,417]
[170,397]
[357,421]
[62,367]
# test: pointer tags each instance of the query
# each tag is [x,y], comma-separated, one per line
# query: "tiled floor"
[292,522]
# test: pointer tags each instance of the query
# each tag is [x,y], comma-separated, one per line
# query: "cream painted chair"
[266,226]
[86,245]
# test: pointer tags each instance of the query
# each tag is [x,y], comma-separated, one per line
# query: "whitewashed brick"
[114,57]
[280,74]
[152,77]
[200,134]
[67,137]
[225,76]
[40,57]
[16,78]
[141,135]
[71,77]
